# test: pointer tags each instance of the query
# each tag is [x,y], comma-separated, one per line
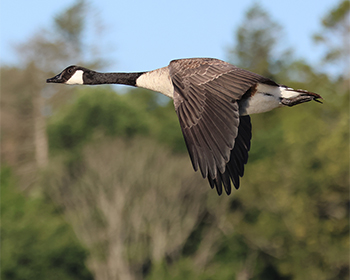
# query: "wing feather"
[206,95]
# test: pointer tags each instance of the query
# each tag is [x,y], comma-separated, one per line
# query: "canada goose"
[213,100]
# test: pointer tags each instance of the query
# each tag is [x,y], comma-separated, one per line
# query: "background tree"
[257,43]
[28,100]
[27,251]
[135,203]
[335,37]
[36,242]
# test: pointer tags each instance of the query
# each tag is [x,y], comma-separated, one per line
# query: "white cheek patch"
[76,79]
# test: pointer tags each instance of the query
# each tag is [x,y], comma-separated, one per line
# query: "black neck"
[96,78]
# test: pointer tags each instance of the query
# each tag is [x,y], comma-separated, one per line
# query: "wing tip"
[223,181]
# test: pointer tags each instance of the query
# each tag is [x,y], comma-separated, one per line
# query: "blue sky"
[144,35]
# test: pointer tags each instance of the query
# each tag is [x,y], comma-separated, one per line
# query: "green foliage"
[299,196]
[160,111]
[290,217]
[130,199]
[337,15]
[95,111]
[335,36]
[132,202]
[36,242]
[168,130]
[99,112]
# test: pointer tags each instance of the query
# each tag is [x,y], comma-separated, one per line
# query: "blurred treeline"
[98,185]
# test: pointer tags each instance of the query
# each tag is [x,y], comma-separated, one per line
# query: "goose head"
[72,75]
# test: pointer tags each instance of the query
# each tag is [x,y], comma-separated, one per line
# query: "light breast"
[157,80]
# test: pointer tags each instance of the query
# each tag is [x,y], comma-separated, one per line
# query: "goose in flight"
[213,100]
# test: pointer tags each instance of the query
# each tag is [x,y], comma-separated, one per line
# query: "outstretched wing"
[206,95]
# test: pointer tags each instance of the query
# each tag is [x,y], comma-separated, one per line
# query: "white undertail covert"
[266,98]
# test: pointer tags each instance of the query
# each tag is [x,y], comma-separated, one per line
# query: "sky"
[145,35]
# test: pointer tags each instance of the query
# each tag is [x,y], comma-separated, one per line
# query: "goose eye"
[69,71]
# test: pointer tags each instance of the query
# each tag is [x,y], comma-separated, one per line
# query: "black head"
[71,75]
